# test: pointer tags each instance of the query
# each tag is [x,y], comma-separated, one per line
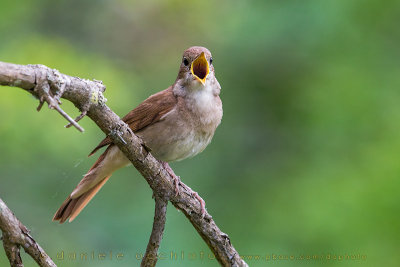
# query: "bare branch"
[42,89]
[87,96]
[15,235]
[71,121]
[12,252]
[83,114]
[150,257]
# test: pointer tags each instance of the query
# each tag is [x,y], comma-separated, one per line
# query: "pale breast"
[185,131]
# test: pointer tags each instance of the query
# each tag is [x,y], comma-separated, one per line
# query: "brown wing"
[147,113]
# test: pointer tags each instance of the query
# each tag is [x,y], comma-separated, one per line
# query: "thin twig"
[43,90]
[83,114]
[71,120]
[150,257]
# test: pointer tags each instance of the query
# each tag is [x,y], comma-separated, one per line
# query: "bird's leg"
[176,178]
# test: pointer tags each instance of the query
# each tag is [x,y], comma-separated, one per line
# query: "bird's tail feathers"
[70,208]
[85,190]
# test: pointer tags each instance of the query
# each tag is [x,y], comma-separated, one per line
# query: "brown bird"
[176,123]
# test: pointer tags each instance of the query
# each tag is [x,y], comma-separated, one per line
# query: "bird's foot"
[176,178]
[177,181]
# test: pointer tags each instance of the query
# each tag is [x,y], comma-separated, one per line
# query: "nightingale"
[176,123]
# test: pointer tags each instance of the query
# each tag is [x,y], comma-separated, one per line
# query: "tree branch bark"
[150,257]
[15,235]
[87,96]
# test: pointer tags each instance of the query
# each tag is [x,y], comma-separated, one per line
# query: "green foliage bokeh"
[304,163]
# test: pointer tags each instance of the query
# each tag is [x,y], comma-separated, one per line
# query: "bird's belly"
[186,147]
[174,143]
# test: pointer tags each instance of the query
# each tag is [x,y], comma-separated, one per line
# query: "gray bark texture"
[49,85]
[150,257]
[16,235]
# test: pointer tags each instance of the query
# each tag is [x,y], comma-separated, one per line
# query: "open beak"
[200,68]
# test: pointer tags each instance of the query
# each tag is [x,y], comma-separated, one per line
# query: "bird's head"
[196,69]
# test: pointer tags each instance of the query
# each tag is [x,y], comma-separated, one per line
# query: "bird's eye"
[185,61]
[211,60]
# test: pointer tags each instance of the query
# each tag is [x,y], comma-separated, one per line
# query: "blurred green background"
[305,162]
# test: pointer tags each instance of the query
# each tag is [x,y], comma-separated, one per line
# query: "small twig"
[41,102]
[43,89]
[150,257]
[15,235]
[71,120]
[83,114]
